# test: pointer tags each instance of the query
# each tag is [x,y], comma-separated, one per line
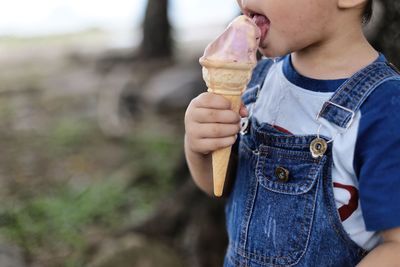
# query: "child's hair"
[367,12]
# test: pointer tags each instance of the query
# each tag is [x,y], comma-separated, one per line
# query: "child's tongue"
[263,23]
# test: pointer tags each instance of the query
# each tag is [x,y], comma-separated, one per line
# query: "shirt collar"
[311,84]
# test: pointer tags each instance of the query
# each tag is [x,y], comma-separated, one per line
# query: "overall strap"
[257,81]
[341,108]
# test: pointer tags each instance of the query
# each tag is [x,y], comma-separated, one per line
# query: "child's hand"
[210,124]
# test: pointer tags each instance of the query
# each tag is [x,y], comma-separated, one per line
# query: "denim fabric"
[271,222]
[354,92]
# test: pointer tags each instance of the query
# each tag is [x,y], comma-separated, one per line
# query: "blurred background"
[92,99]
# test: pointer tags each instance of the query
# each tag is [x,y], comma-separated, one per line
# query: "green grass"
[42,209]
[58,221]
[7,110]
[69,135]
[55,223]
[155,155]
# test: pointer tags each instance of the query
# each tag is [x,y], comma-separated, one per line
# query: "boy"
[318,175]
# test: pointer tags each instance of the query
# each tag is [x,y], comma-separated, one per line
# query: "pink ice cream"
[237,44]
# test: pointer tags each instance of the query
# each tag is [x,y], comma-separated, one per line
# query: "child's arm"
[387,254]
[210,124]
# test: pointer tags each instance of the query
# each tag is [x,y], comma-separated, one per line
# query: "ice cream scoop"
[227,64]
[238,44]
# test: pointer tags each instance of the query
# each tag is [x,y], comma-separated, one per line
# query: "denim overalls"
[282,211]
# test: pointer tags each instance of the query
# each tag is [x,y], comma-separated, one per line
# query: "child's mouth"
[263,24]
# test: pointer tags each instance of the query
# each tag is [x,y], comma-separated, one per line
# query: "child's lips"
[263,24]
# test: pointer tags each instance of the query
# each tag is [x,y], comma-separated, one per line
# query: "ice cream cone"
[227,64]
[228,80]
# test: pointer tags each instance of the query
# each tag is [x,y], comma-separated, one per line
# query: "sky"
[43,17]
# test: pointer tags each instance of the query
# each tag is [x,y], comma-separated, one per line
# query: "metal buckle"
[353,114]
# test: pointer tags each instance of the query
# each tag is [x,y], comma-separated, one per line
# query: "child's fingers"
[207,115]
[217,130]
[209,145]
[212,101]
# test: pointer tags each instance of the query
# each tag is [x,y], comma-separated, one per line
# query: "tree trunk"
[157,41]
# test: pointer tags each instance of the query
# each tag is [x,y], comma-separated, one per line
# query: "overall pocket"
[283,207]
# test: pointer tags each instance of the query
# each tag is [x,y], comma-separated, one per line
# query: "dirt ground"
[67,181]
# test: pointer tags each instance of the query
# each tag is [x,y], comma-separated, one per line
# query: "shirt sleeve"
[377,157]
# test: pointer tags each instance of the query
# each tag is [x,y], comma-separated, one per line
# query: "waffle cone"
[220,157]
[228,80]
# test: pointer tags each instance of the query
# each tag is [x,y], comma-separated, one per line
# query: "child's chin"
[268,52]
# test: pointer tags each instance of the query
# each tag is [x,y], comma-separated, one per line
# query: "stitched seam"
[309,214]
[362,73]
[296,257]
[333,213]
[377,85]
[288,154]
[248,212]
[352,99]
[358,79]
[247,148]
[268,183]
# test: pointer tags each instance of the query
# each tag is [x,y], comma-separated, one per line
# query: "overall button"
[318,147]
[282,174]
